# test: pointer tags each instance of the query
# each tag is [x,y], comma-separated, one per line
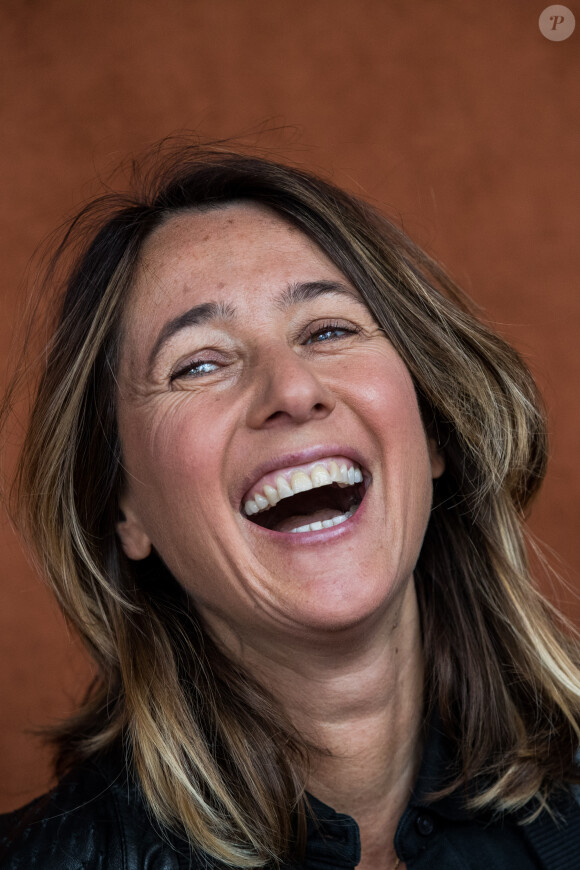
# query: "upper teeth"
[292,482]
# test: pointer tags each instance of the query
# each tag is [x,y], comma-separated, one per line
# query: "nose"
[287,390]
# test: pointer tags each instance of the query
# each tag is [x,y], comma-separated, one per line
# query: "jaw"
[327,579]
[263,581]
[258,587]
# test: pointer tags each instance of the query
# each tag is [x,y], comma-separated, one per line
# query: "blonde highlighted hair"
[214,753]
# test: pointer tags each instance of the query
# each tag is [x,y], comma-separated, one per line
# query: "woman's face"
[253,381]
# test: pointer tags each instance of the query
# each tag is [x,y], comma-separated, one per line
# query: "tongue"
[298,520]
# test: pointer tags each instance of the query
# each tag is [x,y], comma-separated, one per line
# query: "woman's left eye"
[329,332]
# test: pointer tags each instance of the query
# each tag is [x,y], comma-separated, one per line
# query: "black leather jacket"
[95,819]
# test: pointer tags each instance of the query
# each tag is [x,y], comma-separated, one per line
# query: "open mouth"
[309,498]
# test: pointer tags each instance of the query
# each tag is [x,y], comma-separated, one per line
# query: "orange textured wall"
[457,116]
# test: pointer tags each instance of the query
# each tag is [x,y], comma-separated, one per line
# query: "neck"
[360,700]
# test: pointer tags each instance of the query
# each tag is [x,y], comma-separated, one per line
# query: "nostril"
[275,416]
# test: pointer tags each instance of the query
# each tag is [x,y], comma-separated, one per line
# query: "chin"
[330,606]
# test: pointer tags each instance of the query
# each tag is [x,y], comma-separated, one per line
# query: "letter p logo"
[557,23]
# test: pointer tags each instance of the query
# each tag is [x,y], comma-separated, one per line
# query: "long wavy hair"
[214,753]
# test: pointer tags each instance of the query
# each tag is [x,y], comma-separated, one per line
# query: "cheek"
[174,467]
[387,398]
[388,401]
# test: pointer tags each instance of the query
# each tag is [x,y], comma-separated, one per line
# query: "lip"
[322,536]
[302,457]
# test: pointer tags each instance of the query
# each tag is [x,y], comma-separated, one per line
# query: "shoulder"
[94,819]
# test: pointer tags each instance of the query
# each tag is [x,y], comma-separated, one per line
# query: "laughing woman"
[276,473]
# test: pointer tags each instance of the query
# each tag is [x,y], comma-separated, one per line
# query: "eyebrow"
[208,312]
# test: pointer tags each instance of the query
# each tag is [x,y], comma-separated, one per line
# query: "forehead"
[225,248]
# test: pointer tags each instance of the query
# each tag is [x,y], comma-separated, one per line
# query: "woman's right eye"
[195,369]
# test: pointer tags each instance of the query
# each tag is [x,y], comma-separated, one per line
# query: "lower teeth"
[325,524]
